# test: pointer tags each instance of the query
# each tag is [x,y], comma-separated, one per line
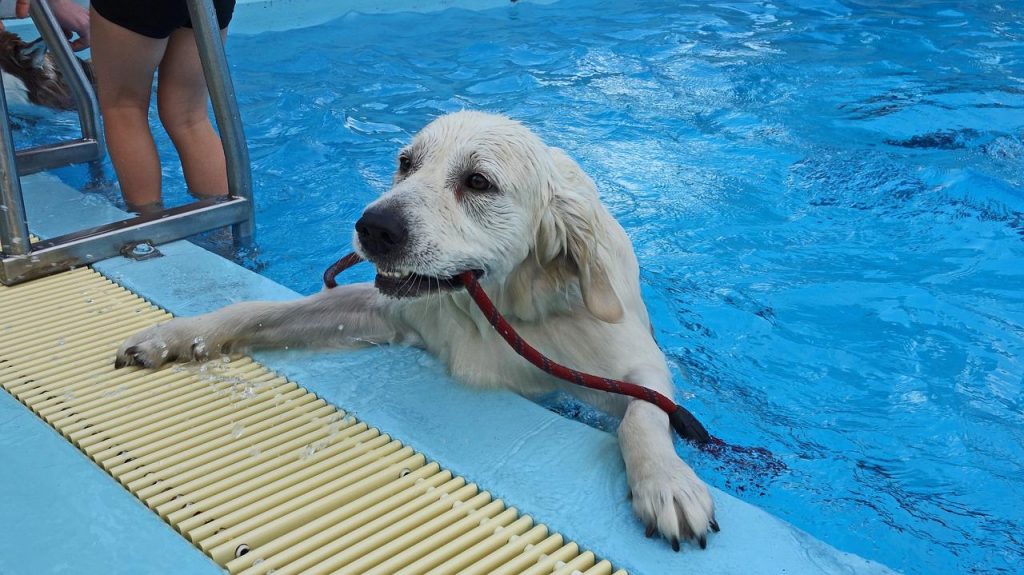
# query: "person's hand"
[20,11]
[73,19]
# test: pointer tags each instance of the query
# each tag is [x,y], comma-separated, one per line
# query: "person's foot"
[146,209]
[199,196]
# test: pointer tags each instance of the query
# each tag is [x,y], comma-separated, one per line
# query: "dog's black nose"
[382,232]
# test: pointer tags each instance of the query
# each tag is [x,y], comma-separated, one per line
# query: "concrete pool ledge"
[561,472]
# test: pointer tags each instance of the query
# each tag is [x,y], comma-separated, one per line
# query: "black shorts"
[157,18]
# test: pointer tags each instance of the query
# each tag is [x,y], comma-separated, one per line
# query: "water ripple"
[826,197]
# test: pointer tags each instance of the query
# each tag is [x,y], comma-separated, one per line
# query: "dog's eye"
[478,182]
[404,164]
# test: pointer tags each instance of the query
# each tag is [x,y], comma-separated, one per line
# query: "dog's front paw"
[181,339]
[669,497]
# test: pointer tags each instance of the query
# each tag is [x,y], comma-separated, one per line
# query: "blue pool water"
[827,200]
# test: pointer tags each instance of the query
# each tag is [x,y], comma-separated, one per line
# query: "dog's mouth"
[409,285]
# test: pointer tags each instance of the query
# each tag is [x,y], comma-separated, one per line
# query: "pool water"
[827,200]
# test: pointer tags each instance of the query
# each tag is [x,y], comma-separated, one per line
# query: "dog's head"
[480,192]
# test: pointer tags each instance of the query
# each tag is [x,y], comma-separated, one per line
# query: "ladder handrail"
[70,68]
[14,239]
[225,108]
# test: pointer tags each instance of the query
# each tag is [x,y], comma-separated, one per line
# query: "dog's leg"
[348,315]
[667,494]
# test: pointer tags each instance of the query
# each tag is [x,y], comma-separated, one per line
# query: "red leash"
[685,424]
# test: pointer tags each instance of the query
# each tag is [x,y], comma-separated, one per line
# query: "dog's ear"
[34,54]
[569,236]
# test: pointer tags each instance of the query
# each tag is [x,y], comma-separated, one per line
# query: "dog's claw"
[675,544]
[703,542]
[199,351]
[130,357]
[650,531]
[714,526]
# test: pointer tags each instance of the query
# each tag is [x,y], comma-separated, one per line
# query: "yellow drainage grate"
[257,472]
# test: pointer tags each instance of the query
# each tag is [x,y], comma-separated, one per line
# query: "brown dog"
[31,76]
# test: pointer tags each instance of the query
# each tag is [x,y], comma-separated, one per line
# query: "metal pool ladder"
[22,260]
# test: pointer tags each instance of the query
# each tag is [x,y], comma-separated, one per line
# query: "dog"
[480,192]
[31,76]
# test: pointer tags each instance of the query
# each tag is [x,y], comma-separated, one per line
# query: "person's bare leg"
[182,100]
[124,63]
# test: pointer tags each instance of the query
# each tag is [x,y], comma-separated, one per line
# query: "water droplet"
[69,396]
[90,300]
[307,452]
[257,562]
[341,327]
[249,392]
[237,430]
[114,392]
[254,452]
[559,564]
[225,359]
[60,341]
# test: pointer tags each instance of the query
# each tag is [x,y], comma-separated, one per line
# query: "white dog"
[481,192]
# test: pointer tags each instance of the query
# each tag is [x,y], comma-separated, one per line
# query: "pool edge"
[531,457]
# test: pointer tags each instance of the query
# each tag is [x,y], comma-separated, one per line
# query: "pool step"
[255,471]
